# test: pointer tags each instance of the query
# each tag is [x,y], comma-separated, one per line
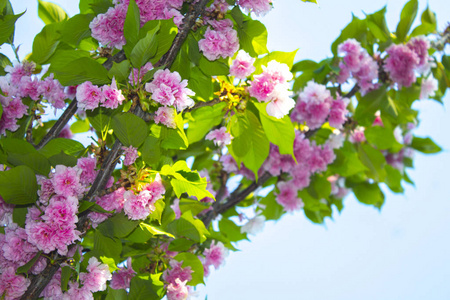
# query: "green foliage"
[7,28]
[18,185]
[425,145]
[129,129]
[187,226]
[409,13]
[191,260]
[50,12]
[202,120]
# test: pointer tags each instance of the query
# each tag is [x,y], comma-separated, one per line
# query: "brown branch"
[235,198]
[203,104]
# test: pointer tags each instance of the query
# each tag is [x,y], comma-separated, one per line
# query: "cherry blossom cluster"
[404,61]
[242,66]
[19,83]
[94,280]
[259,7]
[215,256]
[121,278]
[90,96]
[220,40]
[107,28]
[219,136]
[138,206]
[357,63]
[176,278]
[315,105]
[168,89]
[271,86]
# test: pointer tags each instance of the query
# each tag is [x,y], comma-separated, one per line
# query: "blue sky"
[398,253]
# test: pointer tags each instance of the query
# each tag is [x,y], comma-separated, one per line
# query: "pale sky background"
[401,252]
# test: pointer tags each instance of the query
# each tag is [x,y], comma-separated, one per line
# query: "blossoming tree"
[193,116]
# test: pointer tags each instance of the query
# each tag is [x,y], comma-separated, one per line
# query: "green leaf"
[20,215]
[116,294]
[107,246]
[213,68]
[100,119]
[4,61]
[407,16]
[26,267]
[204,118]
[166,34]
[151,151]
[378,26]
[7,28]
[50,12]
[280,132]
[304,65]
[118,226]
[425,145]
[253,37]
[130,129]
[180,245]
[368,105]
[356,29]
[36,161]
[81,70]
[141,289]
[394,179]
[174,138]
[154,230]
[144,49]
[189,227]
[45,42]
[18,185]
[250,144]
[191,260]
[281,57]
[66,272]
[347,162]
[132,24]
[200,83]
[120,71]
[80,126]
[58,145]
[374,160]
[230,230]
[77,29]
[380,136]
[94,6]
[369,193]
[272,210]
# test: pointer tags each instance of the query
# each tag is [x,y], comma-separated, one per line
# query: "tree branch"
[235,198]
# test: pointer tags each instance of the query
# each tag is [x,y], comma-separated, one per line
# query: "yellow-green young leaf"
[154,230]
[50,12]
[110,262]
[311,1]
[174,138]
[80,126]
[189,227]
[191,260]
[18,186]
[394,179]
[407,16]
[347,162]
[231,230]
[253,37]
[281,57]
[380,136]
[374,160]
[378,26]
[280,132]
[7,28]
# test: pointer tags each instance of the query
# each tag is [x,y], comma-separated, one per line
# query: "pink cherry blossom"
[400,64]
[259,7]
[242,65]
[177,290]
[222,41]
[113,96]
[219,136]
[176,271]
[428,87]
[166,116]
[121,278]
[77,292]
[96,276]
[12,286]
[215,255]
[131,155]
[66,181]
[287,197]
[107,28]
[89,96]
[88,172]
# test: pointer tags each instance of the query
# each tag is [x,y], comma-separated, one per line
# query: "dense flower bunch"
[107,28]
[259,7]
[315,104]
[220,41]
[90,96]
[20,84]
[271,86]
